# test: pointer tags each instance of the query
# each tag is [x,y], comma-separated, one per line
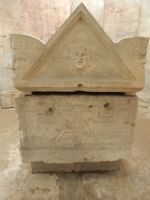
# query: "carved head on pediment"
[80,58]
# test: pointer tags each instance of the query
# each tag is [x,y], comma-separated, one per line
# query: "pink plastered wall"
[39,18]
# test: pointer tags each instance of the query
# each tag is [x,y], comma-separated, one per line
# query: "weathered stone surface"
[60,128]
[80,56]
[8,98]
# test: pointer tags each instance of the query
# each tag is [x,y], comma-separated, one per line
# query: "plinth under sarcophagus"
[78,105]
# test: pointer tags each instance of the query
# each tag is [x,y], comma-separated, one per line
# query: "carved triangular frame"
[106,44]
[85,129]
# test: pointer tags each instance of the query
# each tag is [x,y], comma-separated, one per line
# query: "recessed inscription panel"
[75,128]
[72,121]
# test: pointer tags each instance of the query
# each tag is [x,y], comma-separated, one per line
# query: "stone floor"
[131,182]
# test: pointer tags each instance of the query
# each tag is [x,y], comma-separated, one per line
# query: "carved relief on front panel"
[41,123]
[75,132]
[77,52]
[102,122]
[81,55]
[75,129]
[80,58]
[82,52]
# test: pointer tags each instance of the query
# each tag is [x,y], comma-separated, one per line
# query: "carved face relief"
[80,58]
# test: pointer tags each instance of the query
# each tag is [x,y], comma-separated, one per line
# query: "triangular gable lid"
[79,56]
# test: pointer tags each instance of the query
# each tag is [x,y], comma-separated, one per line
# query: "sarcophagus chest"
[78,105]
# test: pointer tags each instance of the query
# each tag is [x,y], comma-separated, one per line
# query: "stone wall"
[41,18]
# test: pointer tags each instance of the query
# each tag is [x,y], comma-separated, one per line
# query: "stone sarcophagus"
[78,105]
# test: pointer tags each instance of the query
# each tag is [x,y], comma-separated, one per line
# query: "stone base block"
[75,128]
[8,98]
[41,167]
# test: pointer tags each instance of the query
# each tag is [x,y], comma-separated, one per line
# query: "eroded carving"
[26,50]
[86,122]
[80,58]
